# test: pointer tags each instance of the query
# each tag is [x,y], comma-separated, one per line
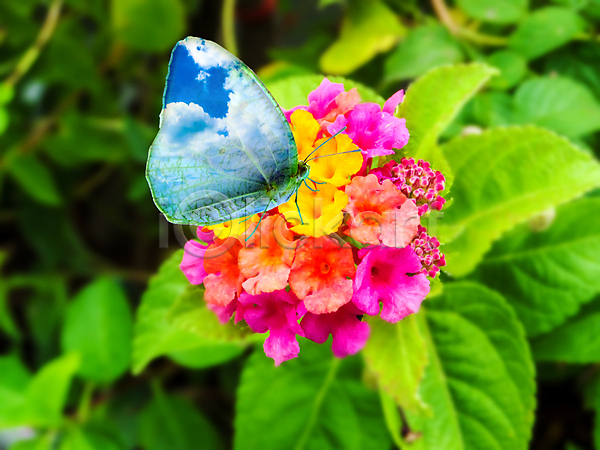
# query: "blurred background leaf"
[81,84]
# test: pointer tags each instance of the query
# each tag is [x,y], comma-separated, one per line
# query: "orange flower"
[322,274]
[267,256]
[224,280]
[321,210]
[380,213]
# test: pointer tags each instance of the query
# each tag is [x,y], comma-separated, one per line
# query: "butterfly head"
[303,172]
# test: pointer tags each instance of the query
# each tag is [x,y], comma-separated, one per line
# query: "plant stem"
[83,410]
[31,55]
[228,26]
[318,402]
[443,14]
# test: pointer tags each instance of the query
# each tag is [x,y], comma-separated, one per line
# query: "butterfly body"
[224,149]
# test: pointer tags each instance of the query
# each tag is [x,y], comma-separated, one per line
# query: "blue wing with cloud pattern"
[224,149]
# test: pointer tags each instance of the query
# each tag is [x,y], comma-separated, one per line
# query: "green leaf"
[503,177]
[154,335]
[36,401]
[208,355]
[592,397]
[172,423]
[82,139]
[545,102]
[4,119]
[479,383]
[7,324]
[47,393]
[190,313]
[220,342]
[397,354]
[313,402]
[572,4]
[425,47]
[98,326]
[80,439]
[45,313]
[325,3]
[173,320]
[34,178]
[393,420]
[432,102]
[138,134]
[13,386]
[578,63]
[70,39]
[7,93]
[368,28]
[497,11]
[37,443]
[575,341]
[149,25]
[293,91]
[493,109]
[512,68]
[544,30]
[547,275]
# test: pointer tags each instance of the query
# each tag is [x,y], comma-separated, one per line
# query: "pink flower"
[192,264]
[382,276]
[375,131]
[392,103]
[224,313]
[418,181]
[327,102]
[349,333]
[426,248]
[274,312]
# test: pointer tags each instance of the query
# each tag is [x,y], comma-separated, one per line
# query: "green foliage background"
[105,345]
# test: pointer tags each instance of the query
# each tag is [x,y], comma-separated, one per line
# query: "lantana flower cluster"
[352,246]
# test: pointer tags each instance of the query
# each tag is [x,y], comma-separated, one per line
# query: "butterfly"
[224,149]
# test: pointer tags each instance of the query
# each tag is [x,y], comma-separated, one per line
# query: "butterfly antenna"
[325,142]
[333,154]
[298,208]
[259,220]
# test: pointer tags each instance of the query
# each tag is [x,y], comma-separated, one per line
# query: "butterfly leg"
[259,220]
[306,184]
[298,208]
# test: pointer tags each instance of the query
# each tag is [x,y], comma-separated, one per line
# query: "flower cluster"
[352,246]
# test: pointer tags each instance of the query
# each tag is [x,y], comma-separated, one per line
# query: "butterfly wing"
[224,149]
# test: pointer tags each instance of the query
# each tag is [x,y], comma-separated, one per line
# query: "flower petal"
[192,264]
[382,276]
[349,333]
[392,103]
[321,274]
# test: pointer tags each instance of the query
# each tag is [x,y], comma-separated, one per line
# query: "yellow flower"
[305,129]
[233,228]
[335,170]
[321,210]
